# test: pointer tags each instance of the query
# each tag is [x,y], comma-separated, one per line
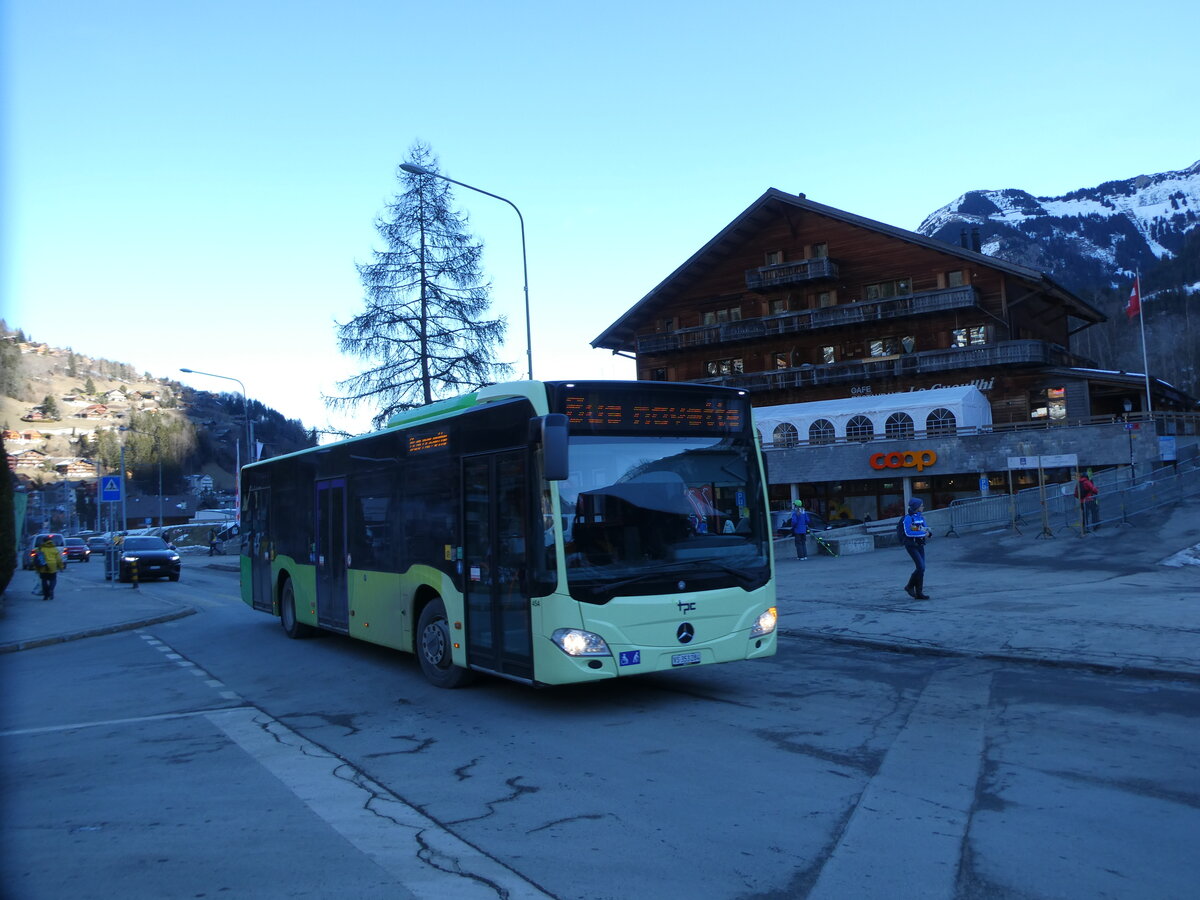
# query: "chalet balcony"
[812,319]
[906,365]
[765,278]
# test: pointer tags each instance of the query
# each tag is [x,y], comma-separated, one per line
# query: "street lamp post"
[250,450]
[414,169]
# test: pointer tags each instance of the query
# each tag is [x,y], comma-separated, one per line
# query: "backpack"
[900,529]
[39,559]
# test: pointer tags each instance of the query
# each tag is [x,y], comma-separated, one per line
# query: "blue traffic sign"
[110,489]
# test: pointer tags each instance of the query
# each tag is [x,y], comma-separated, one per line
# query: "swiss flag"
[1135,299]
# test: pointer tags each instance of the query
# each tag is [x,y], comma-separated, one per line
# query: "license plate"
[686,659]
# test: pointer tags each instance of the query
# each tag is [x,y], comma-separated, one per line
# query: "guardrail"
[1053,508]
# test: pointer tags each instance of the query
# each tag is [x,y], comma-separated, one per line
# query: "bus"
[545,532]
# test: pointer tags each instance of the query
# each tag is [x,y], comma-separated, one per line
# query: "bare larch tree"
[423,325]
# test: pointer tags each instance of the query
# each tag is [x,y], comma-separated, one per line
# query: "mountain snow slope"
[1087,239]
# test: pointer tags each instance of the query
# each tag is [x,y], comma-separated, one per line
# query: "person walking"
[916,532]
[1089,506]
[800,523]
[49,564]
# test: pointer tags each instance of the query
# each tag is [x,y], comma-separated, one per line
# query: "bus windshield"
[651,515]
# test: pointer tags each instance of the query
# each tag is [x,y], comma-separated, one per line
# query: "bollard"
[133,578]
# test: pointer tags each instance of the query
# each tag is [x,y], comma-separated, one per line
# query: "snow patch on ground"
[1187,557]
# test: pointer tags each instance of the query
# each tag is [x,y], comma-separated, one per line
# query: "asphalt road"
[211,756]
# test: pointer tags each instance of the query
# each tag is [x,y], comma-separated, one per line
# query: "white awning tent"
[967,404]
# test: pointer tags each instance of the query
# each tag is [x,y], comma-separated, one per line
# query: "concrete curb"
[913,649]
[30,644]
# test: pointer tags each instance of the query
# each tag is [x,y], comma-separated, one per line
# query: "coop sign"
[908,459]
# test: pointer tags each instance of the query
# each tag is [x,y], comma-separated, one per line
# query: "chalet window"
[1049,404]
[786,435]
[860,428]
[819,251]
[828,355]
[667,324]
[724,366]
[955,278]
[884,289]
[821,432]
[782,360]
[824,299]
[941,421]
[971,336]
[658,374]
[778,307]
[887,346]
[717,316]
[774,257]
[899,426]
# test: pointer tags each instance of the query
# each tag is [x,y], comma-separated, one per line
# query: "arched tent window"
[785,435]
[758,433]
[860,428]
[899,425]
[821,432]
[941,421]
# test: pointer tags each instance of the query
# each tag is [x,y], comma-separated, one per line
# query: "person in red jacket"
[1089,506]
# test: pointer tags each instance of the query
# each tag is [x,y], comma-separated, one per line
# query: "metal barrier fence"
[1053,508]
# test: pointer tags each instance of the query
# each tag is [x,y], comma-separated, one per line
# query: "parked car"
[98,544]
[27,560]
[150,557]
[75,548]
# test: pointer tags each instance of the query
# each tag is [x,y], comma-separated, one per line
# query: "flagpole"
[1142,329]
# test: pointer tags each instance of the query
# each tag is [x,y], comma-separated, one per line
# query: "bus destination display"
[608,412]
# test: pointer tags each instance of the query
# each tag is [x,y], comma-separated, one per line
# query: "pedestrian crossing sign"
[110,489]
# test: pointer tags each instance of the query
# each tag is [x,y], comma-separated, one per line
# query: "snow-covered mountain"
[1089,239]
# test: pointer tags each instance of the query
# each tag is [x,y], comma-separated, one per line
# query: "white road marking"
[905,837]
[428,860]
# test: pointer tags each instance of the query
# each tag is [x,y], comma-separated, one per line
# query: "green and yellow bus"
[545,532]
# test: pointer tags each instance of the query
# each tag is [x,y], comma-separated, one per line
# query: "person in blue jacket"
[916,533]
[800,528]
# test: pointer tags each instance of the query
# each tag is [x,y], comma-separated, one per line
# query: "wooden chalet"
[797,301]
[846,332]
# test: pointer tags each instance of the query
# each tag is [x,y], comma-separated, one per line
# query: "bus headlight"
[766,623]
[576,642]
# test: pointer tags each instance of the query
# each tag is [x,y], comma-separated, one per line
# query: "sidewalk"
[80,608]
[1105,601]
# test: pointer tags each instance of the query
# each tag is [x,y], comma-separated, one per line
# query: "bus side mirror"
[551,432]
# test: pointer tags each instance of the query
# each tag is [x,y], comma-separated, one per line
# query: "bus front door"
[332,605]
[496,525]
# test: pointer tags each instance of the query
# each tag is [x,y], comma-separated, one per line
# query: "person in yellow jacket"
[49,564]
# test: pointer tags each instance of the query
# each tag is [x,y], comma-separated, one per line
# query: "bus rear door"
[332,604]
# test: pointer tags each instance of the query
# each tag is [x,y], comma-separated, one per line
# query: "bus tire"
[292,627]
[434,648]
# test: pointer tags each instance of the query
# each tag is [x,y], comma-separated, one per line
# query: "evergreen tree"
[422,328]
[72,366]
[90,387]
[50,408]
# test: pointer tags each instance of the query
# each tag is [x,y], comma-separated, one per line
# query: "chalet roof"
[621,334]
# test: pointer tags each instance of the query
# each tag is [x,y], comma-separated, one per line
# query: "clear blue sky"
[190,184]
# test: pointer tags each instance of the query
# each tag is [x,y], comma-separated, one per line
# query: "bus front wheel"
[434,648]
[287,614]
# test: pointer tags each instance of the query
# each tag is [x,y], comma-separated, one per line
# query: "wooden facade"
[795,301]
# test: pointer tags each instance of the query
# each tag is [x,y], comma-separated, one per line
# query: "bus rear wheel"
[287,614]
[434,648]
